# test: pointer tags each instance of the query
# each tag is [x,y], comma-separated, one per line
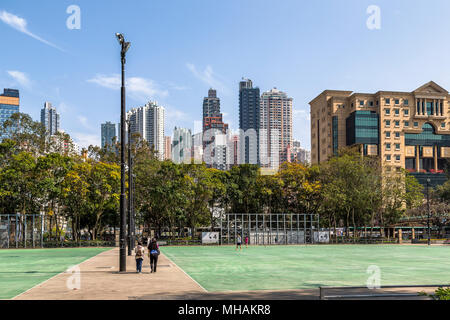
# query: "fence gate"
[21,231]
[269,229]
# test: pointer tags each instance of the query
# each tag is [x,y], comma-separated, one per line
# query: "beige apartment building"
[275,127]
[409,130]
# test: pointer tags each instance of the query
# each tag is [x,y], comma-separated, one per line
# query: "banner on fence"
[321,237]
[210,237]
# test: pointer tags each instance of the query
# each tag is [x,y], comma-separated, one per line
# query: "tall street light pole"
[428,209]
[133,216]
[130,193]
[123,218]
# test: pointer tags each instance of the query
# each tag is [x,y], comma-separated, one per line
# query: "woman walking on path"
[139,257]
[153,251]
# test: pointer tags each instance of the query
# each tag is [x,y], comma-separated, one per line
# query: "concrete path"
[100,280]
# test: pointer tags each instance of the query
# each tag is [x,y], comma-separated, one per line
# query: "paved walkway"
[100,280]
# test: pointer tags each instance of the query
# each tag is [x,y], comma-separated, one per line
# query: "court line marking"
[185,272]
[41,283]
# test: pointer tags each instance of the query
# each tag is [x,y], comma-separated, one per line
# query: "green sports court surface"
[306,267]
[21,270]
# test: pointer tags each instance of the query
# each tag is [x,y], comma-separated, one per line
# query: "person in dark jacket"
[153,251]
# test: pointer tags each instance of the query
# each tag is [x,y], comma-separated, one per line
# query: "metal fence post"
[17,230]
[304,227]
[9,229]
[25,231]
[220,238]
[32,232]
[42,230]
[257,235]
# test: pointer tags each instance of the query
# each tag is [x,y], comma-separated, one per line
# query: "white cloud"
[20,77]
[20,24]
[85,140]
[63,107]
[176,87]
[84,121]
[138,88]
[174,114]
[209,77]
[301,114]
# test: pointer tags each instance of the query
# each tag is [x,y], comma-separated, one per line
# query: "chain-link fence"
[269,229]
[21,231]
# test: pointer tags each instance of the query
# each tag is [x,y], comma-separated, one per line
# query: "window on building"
[388,123]
[388,146]
[388,157]
[361,102]
[362,127]
[387,101]
[335,135]
[397,134]
[397,112]
[406,112]
[406,102]
[371,103]
[397,123]
[388,134]
[397,157]
[397,101]
[443,125]
[430,108]
[406,123]
[387,111]
[397,146]
[416,124]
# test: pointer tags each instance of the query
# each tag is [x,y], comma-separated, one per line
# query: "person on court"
[246,241]
[139,257]
[153,251]
[239,242]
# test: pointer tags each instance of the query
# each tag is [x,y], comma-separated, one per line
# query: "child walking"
[139,257]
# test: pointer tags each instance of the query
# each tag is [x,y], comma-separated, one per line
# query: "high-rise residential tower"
[50,119]
[298,154]
[249,121]
[167,148]
[9,104]
[409,130]
[275,128]
[214,130]
[211,106]
[182,145]
[108,134]
[148,121]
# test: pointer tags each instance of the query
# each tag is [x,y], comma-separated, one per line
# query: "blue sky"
[180,48]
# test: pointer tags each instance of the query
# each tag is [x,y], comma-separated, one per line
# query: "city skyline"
[78,69]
